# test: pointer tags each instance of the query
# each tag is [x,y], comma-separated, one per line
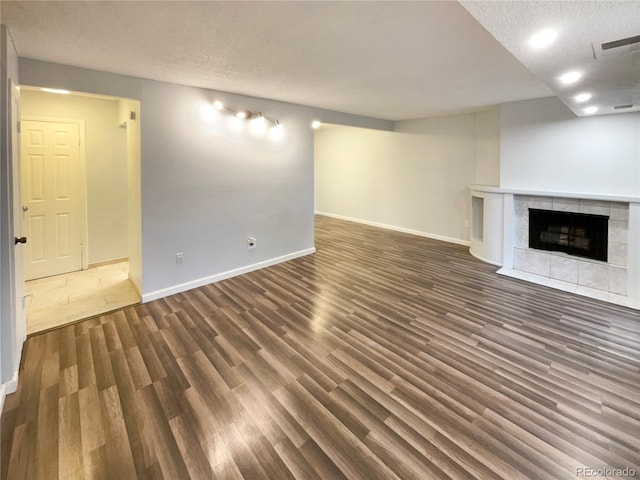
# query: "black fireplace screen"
[577,234]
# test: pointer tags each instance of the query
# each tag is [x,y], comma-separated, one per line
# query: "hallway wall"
[106,165]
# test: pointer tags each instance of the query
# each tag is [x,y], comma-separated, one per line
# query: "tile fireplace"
[585,244]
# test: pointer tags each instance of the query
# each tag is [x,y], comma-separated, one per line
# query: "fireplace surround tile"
[618,280]
[566,205]
[595,207]
[542,203]
[586,274]
[538,263]
[617,254]
[618,231]
[521,203]
[522,219]
[565,269]
[593,275]
[519,258]
[619,211]
[522,237]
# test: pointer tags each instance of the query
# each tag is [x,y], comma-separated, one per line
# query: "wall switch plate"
[251,242]
[179,257]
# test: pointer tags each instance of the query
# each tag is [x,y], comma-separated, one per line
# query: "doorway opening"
[80,193]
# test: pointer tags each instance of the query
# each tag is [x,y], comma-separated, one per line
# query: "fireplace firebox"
[579,234]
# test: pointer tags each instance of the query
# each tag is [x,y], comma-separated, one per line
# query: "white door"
[51,198]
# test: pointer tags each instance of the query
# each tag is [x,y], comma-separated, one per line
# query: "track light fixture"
[244,114]
[217,117]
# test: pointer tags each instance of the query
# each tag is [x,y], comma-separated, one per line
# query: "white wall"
[106,165]
[455,133]
[545,147]
[413,181]
[487,147]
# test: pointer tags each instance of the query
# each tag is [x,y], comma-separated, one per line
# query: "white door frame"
[16,174]
[84,250]
[14,327]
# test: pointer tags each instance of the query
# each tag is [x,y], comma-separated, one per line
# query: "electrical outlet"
[466,223]
[179,257]
[251,242]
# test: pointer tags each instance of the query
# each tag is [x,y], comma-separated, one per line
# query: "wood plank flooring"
[382,356]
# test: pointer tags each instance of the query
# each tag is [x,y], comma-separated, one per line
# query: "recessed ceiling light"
[570,77]
[582,97]
[241,114]
[315,124]
[543,38]
[590,110]
[56,90]
[218,105]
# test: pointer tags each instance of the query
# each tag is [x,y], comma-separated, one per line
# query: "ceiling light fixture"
[543,38]
[570,77]
[56,90]
[315,124]
[258,124]
[582,97]
[590,110]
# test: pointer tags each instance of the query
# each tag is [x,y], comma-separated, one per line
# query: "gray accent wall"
[205,194]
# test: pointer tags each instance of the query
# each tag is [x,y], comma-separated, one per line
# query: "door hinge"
[19,126]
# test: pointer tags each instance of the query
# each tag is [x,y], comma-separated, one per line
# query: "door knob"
[25,208]
[20,240]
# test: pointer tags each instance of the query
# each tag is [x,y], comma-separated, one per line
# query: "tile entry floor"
[54,301]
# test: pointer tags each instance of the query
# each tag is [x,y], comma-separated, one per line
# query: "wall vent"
[621,107]
[620,43]
[617,47]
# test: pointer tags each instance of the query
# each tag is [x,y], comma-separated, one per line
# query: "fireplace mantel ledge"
[539,193]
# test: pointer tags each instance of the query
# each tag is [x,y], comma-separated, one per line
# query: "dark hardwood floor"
[382,356]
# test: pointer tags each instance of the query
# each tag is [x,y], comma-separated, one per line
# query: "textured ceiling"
[612,79]
[390,60]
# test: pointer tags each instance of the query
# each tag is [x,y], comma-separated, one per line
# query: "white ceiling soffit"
[389,60]
[611,76]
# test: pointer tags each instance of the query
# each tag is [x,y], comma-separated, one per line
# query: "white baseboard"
[7,388]
[434,236]
[10,386]
[183,287]
[490,262]
[104,263]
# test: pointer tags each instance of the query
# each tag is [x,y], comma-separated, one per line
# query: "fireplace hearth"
[579,234]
